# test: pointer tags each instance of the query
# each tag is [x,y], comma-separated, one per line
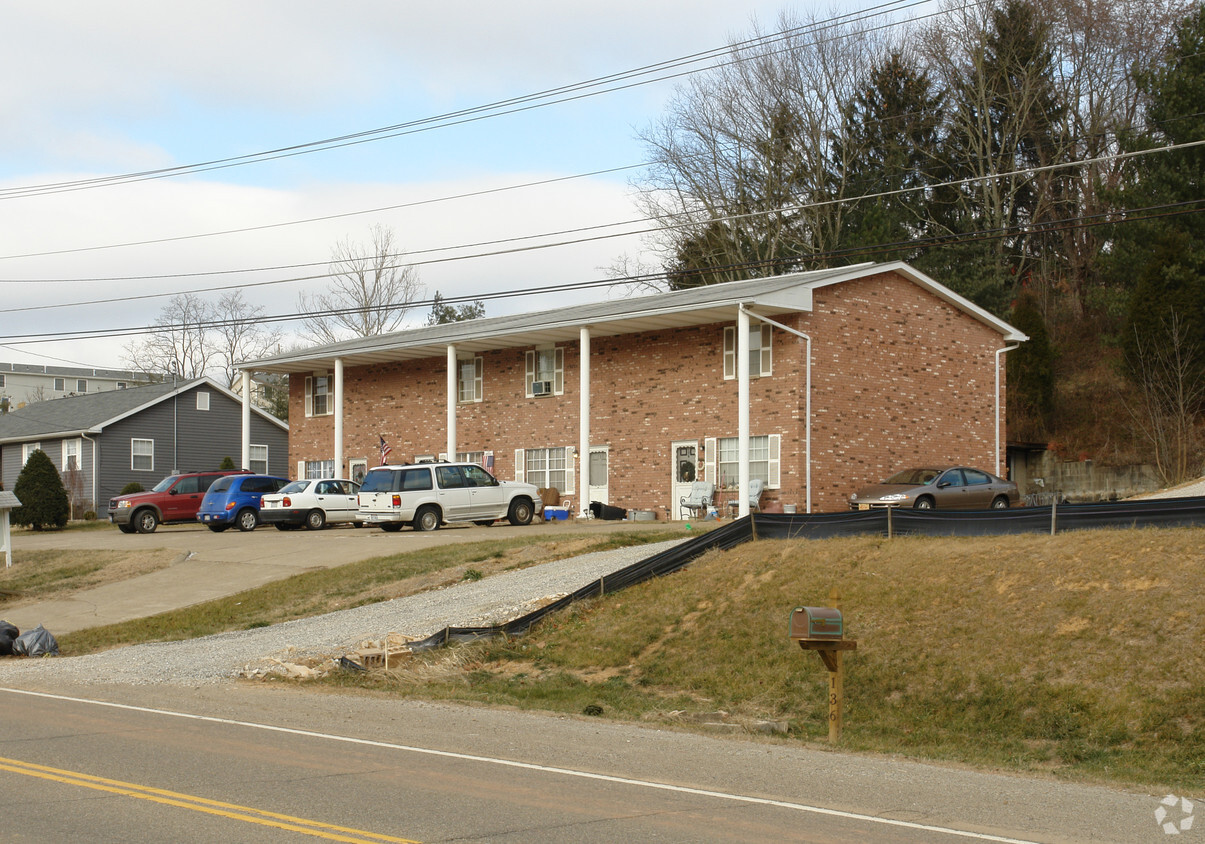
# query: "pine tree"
[40,491]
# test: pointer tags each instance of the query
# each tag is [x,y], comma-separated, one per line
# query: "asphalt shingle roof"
[82,413]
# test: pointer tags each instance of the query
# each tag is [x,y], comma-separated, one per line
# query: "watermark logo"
[1167,808]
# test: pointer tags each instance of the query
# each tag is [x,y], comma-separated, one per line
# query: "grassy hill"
[1080,654]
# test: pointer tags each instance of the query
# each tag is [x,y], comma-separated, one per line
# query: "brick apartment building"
[643,395]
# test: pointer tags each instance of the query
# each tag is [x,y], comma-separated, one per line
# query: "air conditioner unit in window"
[541,388]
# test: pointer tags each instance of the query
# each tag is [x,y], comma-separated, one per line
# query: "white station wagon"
[427,495]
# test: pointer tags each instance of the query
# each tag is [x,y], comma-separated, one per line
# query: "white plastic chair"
[698,502]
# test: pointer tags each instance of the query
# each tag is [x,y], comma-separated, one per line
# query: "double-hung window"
[545,374]
[761,359]
[319,398]
[546,467]
[142,455]
[469,377]
[71,454]
[259,459]
[723,460]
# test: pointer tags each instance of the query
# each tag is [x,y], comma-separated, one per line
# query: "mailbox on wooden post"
[822,629]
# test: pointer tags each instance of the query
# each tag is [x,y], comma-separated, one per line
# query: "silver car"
[943,487]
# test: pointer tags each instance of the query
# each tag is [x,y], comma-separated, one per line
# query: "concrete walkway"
[206,565]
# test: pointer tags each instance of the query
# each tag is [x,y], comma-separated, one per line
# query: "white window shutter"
[729,354]
[520,459]
[710,454]
[767,357]
[478,378]
[774,466]
[309,395]
[300,468]
[558,378]
[570,469]
[531,372]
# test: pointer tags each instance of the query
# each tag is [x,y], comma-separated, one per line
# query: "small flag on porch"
[385,449]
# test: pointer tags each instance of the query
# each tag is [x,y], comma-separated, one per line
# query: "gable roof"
[696,306]
[93,412]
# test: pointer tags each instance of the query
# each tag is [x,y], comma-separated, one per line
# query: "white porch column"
[339,419]
[583,437]
[451,401]
[742,417]
[246,464]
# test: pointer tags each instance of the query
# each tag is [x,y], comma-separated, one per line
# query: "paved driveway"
[209,565]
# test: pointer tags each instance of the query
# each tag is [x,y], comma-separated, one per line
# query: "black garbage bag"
[36,642]
[8,630]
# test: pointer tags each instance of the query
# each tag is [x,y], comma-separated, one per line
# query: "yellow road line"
[199,804]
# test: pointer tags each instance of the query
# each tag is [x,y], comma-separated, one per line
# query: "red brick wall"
[899,377]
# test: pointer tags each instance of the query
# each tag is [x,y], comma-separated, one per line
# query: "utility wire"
[1051,226]
[551,96]
[732,218]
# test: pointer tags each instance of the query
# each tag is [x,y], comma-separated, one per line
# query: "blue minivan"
[234,500]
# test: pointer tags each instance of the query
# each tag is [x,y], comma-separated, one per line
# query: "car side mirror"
[943,484]
[171,491]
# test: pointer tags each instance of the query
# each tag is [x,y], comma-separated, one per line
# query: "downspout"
[95,503]
[999,407]
[807,402]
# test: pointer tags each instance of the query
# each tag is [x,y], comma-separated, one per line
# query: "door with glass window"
[684,455]
[600,457]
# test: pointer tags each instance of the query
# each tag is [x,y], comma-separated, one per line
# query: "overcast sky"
[99,90]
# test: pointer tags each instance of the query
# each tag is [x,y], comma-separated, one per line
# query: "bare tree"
[370,291]
[1170,380]
[1102,46]
[740,177]
[193,337]
[239,334]
[179,342]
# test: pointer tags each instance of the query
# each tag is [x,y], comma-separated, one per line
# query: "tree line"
[1038,157]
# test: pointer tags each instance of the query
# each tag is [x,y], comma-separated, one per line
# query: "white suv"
[427,495]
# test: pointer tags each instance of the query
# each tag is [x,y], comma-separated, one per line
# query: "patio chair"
[698,502]
[756,487]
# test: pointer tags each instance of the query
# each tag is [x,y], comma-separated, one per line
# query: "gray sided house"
[100,442]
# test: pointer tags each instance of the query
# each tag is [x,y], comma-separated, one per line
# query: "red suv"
[173,500]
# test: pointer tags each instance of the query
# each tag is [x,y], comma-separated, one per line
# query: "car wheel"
[427,518]
[520,512]
[923,503]
[1000,503]
[315,520]
[246,520]
[357,524]
[217,528]
[127,528]
[391,527]
[145,521]
[483,522]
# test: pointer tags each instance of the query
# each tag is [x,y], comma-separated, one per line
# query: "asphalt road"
[242,762]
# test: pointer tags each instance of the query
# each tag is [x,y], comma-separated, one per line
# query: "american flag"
[385,449]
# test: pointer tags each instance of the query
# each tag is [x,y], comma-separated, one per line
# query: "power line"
[551,96]
[1053,226]
[1027,172]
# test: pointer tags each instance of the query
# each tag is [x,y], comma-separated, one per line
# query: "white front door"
[600,458]
[685,471]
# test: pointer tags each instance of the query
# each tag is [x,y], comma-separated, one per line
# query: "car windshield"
[296,486]
[165,484]
[914,477]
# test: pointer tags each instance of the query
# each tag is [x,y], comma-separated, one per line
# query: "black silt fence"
[1168,512]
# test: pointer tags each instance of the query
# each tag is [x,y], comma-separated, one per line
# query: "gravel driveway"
[220,657]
